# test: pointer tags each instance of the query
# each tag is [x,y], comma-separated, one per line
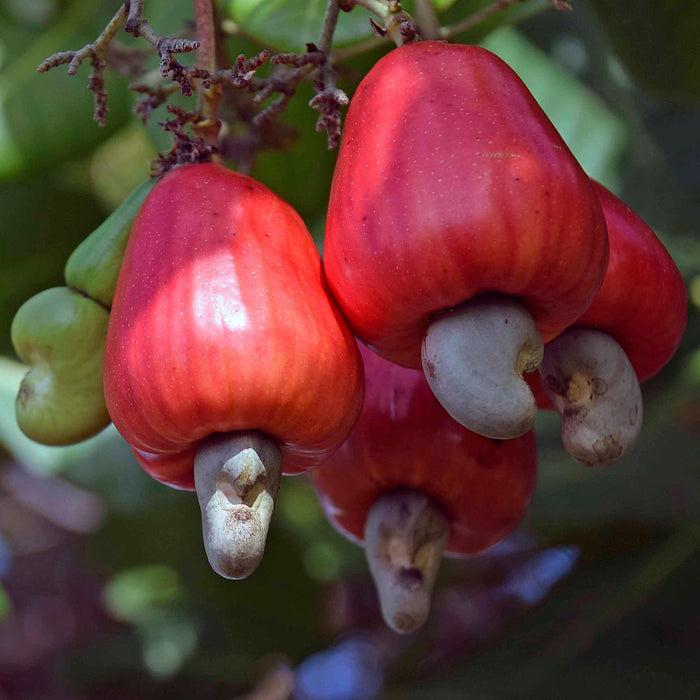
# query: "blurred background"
[105,590]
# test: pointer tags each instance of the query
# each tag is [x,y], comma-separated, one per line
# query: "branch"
[285,85]
[427,20]
[483,14]
[130,17]
[399,25]
[186,149]
[207,98]
[165,46]
[96,53]
[328,99]
[155,96]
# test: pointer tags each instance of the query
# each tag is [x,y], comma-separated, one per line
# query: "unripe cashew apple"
[61,334]
[61,400]
[460,227]
[93,267]
[226,354]
[410,481]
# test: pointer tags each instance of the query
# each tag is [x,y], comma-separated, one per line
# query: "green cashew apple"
[94,265]
[61,334]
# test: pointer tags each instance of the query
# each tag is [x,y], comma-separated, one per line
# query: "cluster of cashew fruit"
[464,242]
[464,245]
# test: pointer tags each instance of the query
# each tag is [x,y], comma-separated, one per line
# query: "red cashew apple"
[592,371]
[410,481]
[227,361]
[461,227]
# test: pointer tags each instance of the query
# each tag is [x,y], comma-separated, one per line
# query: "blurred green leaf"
[658,43]
[20,22]
[42,222]
[514,13]
[289,25]
[302,177]
[47,119]
[168,640]
[440,5]
[132,595]
[621,571]
[321,560]
[118,165]
[593,132]
[5,604]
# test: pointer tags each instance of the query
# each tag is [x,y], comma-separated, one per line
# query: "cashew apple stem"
[474,357]
[594,387]
[237,476]
[405,535]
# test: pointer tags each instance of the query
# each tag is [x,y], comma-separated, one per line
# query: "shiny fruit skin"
[405,439]
[451,182]
[221,322]
[643,303]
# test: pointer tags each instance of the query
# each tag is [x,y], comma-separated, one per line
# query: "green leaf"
[42,221]
[289,25]
[440,5]
[596,135]
[658,43]
[303,178]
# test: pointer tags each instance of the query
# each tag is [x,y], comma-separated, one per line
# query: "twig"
[127,60]
[399,25]
[283,84]
[95,52]
[427,21]
[241,74]
[286,87]
[130,17]
[328,99]
[207,98]
[483,14]
[155,96]
[165,46]
[186,149]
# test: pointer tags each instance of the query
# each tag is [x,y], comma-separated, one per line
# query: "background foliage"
[104,586]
